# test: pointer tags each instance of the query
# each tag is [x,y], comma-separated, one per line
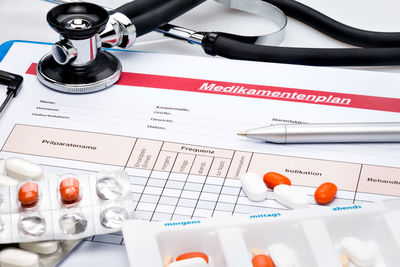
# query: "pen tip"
[242,133]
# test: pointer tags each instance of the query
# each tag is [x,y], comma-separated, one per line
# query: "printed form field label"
[69,144]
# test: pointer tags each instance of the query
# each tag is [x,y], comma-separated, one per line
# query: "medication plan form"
[171,123]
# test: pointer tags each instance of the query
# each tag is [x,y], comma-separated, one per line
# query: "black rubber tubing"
[335,29]
[215,44]
[138,7]
[156,14]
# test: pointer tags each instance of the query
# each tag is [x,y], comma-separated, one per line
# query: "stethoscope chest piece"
[76,63]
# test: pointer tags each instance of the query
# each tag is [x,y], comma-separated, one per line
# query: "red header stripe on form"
[256,91]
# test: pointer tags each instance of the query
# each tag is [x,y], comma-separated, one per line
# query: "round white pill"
[14,257]
[254,186]
[281,255]
[290,196]
[22,169]
[358,251]
[43,247]
[7,181]
[193,262]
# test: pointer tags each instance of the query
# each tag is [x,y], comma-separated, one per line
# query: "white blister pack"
[43,206]
[316,237]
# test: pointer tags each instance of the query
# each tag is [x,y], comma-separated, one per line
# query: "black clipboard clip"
[14,84]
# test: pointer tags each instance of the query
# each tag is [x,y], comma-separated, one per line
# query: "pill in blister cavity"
[22,169]
[73,223]
[15,257]
[344,260]
[357,251]
[272,179]
[28,193]
[193,262]
[167,261]
[69,190]
[33,225]
[43,247]
[190,255]
[253,186]
[262,260]
[325,193]
[281,255]
[290,196]
[109,188]
[112,217]
[7,181]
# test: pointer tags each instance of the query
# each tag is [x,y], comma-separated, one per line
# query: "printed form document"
[171,123]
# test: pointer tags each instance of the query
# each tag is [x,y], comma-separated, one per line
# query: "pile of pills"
[277,254]
[190,259]
[44,253]
[59,207]
[256,189]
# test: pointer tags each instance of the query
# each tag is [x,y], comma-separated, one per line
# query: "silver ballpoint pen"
[380,132]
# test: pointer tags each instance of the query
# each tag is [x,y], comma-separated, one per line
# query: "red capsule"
[69,190]
[28,193]
[325,193]
[262,260]
[272,179]
[192,255]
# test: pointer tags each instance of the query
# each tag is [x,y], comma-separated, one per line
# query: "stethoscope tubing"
[216,44]
[334,28]
[148,15]
[379,48]
[376,48]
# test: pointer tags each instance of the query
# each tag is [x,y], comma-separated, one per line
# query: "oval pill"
[190,255]
[69,189]
[262,260]
[325,193]
[22,169]
[291,197]
[272,179]
[42,247]
[253,186]
[15,257]
[281,255]
[193,262]
[7,181]
[28,193]
[357,251]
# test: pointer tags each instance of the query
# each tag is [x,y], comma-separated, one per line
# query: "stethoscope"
[77,64]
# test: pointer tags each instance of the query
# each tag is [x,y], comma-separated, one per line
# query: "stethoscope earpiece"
[76,63]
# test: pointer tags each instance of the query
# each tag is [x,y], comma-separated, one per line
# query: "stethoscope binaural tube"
[147,15]
[334,28]
[382,48]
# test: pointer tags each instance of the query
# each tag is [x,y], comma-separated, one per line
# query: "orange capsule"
[325,193]
[272,179]
[192,255]
[69,190]
[262,260]
[28,193]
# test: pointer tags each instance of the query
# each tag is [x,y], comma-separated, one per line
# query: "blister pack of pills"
[342,236]
[60,207]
